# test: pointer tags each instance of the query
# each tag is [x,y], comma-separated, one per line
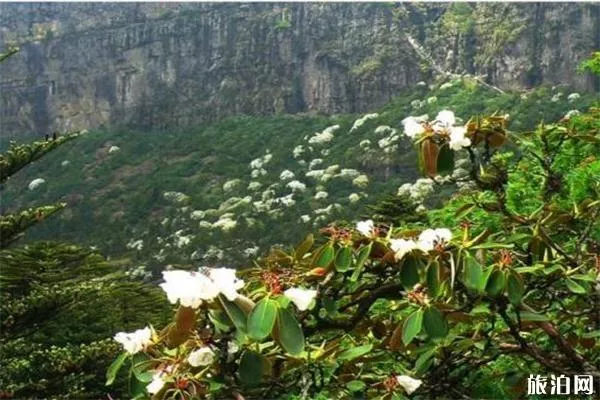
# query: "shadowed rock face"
[157,65]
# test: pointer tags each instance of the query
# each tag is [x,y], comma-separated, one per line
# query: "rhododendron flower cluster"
[443,125]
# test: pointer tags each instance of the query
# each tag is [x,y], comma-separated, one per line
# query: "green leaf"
[433,279]
[445,160]
[473,273]
[325,256]
[496,283]
[343,259]
[514,287]
[424,361]
[531,316]
[492,245]
[114,368]
[435,323]
[252,368]
[574,286]
[363,255]
[262,319]
[291,337]
[356,386]
[304,247]
[412,326]
[354,352]
[409,272]
[583,277]
[237,316]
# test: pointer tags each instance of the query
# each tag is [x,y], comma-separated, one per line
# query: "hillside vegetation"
[225,192]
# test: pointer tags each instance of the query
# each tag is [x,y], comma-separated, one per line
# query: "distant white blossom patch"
[360,122]
[296,186]
[315,162]
[573,96]
[322,195]
[366,228]
[361,181]
[113,149]
[36,183]
[353,198]
[286,175]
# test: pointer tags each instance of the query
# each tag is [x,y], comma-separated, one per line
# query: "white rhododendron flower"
[134,342]
[286,175]
[413,127]
[361,181]
[189,288]
[302,298]
[353,197]
[156,384]
[429,238]
[444,120]
[402,247]
[321,195]
[458,139]
[408,384]
[305,218]
[365,227]
[296,186]
[360,122]
[114,149]
[201,358]
[226,281]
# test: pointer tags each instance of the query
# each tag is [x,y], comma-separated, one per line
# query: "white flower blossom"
[305,218]
[226,224]
[408,384]
[573,96]
[429,238]
[286,175]
[113,149]
[431,100]
[446,85]
[360,122]
[231,184]
[458,139]
[349,173]
[353,198]
[321,195]
[156,384]
[189,288]
[401,247]
[298,150]
[65,163]
[202,357]
[315,162]
[135,244]
[302,298]
[226,281]
[134,342]
[34,184]
[444,120]
[412,127]
[366,228]
[296,186]
[571,113]
[364,144]
[361,181]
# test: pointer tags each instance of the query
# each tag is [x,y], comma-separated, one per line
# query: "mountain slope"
[222,192]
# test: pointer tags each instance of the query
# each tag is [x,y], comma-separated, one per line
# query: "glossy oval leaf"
[114,368]
[363,255]
[289,332]
[575,287]
[435,323]
[514,287]
[262,319]
[252,367]
[325,256]
[343,259]
[237,316]
[409,272]
[354,352]
[433,279]
[412,326]
[496,283]
[473,273]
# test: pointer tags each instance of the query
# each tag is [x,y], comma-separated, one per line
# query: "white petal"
[202,357]
[409,384]
[401,247]
[446,118]
[302,298]
[365,227]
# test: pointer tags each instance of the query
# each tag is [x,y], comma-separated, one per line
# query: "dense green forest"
[446,245]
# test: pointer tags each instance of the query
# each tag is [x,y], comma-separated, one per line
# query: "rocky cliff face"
[152,65]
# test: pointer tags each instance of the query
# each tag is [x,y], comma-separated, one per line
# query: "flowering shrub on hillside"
[504,272]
